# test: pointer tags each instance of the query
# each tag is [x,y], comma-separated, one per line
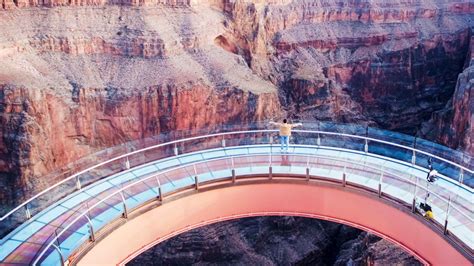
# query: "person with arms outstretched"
[285,132]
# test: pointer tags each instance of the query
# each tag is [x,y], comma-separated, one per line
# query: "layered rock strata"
[80,76]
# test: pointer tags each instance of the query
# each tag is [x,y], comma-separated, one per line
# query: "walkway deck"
[398,179]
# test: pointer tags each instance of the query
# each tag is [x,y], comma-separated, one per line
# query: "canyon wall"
[79,76]
[454,124]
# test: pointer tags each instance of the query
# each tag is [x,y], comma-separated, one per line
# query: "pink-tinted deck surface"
[325,202]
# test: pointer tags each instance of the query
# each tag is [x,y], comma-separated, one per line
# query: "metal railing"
[461,170]
[452,171]
[381,174]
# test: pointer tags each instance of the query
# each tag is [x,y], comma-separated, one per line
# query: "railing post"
[461,176]
[127,164]
[344,177]
[233,169]
[413,205]
[270,140]
[307,169]
[124,204]
[223,142]
[380,183]
[318,140]
[413,156]
[160,194]
[447,215]
[91,229]
[61,256]
[196,182]
[270,169]
[366,145]
[196,179]
[27,212]
[175,149]
[78,183]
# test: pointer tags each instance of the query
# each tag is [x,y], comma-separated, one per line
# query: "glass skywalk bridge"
[56,224]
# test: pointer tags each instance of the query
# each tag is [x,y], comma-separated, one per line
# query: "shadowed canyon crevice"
[275,241]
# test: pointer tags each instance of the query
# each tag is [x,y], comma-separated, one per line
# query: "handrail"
[216,135]
[156,175]
[388,143]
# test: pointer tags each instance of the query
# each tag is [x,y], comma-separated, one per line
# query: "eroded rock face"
[388,63]
[454,125]
[80,76]
[275,241]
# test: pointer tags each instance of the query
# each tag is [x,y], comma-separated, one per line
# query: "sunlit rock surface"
[79,76]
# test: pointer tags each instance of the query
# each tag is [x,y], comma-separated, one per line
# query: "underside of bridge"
[189,209]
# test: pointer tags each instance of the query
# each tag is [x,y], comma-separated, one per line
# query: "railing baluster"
[91,228]
[344,175]
[447,215]
[61,256]
[196,179]
[461,176]
[78,183]
[124,203]
[127,163]
[232,169]
[413,206]
[160,194]
[380,182]
[223,142]
[175,150]
[413,156]
[27,212]
[307,169]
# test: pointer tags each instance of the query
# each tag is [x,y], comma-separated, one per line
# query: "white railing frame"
[155,175]
[217,135]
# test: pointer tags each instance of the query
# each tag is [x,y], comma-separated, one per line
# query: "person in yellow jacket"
[285,132]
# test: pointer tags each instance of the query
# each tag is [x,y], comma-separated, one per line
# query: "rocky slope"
[79,76]
[275,241]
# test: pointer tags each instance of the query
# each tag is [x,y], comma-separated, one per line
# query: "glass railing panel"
[390,151]
[73,234]
[175,179]
[257,164]
[438,205]
[324,168]
[361,175]
[36,206]
[52,257]
[105,210]
[461,225]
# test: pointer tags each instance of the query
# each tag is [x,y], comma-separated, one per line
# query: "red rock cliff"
[79,76]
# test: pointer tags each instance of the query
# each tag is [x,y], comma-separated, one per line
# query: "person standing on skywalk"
[285,132]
